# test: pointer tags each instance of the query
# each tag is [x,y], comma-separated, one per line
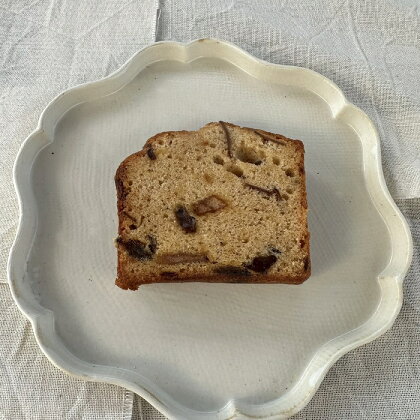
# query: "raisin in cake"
[221,204]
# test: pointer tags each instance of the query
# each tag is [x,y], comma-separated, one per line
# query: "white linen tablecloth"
[371,49]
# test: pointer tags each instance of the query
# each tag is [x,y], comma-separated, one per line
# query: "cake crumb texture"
[220,204]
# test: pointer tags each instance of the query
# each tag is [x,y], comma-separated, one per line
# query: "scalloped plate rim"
[294,400]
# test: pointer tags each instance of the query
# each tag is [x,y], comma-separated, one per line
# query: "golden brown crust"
[132,283]
[125,280]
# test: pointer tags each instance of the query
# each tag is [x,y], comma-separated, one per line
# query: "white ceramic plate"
[204,351]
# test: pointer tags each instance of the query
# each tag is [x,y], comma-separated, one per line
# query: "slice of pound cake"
[221,204]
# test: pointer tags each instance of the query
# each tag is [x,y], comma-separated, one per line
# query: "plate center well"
[202,342]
